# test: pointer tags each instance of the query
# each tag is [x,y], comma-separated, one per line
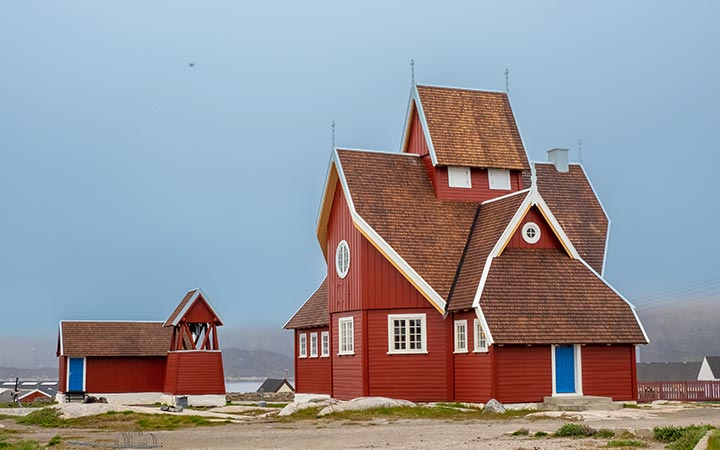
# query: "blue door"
[76,374]
[564,369]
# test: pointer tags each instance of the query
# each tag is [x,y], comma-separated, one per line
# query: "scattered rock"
[292,408]
[363,403]
[494,406]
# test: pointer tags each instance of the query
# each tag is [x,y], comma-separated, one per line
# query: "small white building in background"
[710,369]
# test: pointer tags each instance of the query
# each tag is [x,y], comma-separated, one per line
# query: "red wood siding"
[194,372]
[106,375]
[62,374]
[34,396]
[418,377]
[524,374]
[199,312]
[343,294]
[547,236]
[473,377]
[480,190]
[383,287]
[348,376]
[416,137]
[608,371]
[312,375]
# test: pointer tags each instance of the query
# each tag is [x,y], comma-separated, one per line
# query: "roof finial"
[580,150]
[412,71]
[507,81]
[333,134]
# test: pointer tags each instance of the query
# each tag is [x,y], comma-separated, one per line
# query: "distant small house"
[146,361]
[668,371]
[710,369]
[35,394]
[276,385]
[6,395]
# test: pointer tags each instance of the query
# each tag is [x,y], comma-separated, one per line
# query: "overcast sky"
[148,148]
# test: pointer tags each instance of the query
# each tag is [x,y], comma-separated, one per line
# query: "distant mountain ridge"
[42,374]
[239,363]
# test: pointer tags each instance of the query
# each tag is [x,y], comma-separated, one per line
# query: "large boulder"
[363,403]
[292,408]
[494,406]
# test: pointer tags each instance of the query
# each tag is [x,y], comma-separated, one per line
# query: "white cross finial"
[412,71]
[333,135]
[507,80]
[580,150]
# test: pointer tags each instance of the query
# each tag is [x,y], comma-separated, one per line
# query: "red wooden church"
[145,361]
[459,271]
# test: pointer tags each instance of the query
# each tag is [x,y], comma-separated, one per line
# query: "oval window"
[531,232]
[342,259]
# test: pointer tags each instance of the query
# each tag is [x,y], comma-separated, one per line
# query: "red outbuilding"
[145,361]
[459,271]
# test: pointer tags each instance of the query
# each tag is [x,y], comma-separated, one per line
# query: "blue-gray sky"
[129,176]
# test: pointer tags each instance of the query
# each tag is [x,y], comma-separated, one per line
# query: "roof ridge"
[382,152]
[457,88]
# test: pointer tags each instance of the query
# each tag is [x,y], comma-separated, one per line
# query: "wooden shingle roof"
[394,195]
[314,312]
[543,296]
[491,221]
[472,128]
[78,339]
[575,205]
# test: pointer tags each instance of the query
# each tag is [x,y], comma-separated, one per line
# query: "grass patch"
[439,412]
[714,441]
[276,405]
[18,445]
[540,434]
[627,443]
[55,440]
[631,405]
[116,420]
[521,432]
[575,430]
[604,433]
[689,439]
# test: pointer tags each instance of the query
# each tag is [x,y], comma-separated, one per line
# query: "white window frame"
[528,239]
[478,331]
[302,346]
[499,179]
[459,177]
[325,344]
[313,345]
[391,334]
[461,345]
[346,343]
[342,272]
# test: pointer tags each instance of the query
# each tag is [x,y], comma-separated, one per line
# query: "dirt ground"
[407,434]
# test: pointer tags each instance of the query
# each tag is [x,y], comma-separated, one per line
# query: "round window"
[531,232]
[342,259]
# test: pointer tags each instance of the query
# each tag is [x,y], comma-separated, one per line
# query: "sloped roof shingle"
[314,312]
[491,221]
[668,371]
[114,338]
[394,195]
[179,307]
[543,296]
[472,128]
[573,202]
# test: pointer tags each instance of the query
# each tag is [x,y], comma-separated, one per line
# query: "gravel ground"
[410,434]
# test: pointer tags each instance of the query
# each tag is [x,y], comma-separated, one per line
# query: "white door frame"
[577,353]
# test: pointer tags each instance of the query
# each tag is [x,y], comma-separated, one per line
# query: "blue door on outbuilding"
[76,375]
[564,369]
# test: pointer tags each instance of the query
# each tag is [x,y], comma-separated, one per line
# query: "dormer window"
[499,179]
[459,177]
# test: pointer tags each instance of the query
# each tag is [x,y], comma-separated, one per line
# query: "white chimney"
[559,157]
